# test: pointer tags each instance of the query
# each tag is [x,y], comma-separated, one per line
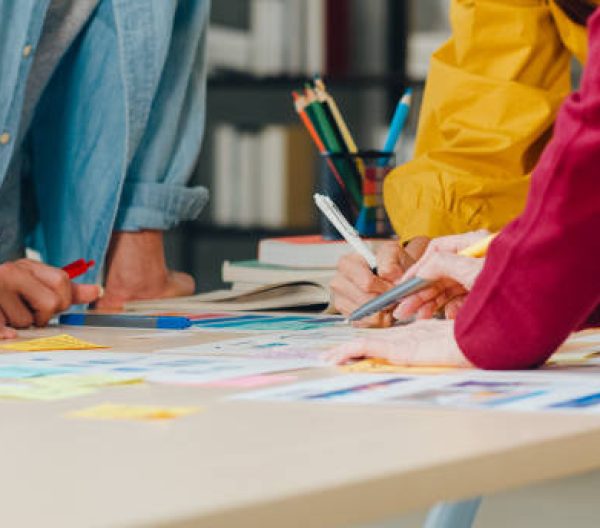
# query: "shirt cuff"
[158,206]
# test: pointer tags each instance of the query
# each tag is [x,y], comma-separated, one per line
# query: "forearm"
[540,280]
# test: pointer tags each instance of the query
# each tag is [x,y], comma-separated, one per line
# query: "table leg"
[453,514]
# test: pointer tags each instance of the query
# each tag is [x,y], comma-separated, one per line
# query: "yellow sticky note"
[380,366]
[113,411]
[59,342]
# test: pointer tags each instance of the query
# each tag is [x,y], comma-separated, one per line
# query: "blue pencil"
[125,321]
[398,121]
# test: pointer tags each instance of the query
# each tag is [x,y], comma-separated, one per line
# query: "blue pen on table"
[162,322]
[398,122]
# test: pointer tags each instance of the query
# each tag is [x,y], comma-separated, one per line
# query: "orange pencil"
[300,104]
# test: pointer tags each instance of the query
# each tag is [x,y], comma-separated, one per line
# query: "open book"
[278,296]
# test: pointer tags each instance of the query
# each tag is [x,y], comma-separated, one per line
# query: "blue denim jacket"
[117,132]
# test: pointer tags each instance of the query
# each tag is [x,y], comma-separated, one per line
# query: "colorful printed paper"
[145,413]
[59,342]
[24,371]
[513,391]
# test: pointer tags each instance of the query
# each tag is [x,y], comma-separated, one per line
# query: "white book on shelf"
[315,36]
[267,19]
[294,32]
[247,189]
[273,177]
[225,168]
[228,48]
[421,46]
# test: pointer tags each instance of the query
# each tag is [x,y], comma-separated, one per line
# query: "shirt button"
[27,50]
[4,138]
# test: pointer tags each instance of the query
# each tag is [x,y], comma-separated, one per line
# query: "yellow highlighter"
[414,285]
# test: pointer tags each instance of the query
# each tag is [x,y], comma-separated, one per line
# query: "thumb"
[85,293]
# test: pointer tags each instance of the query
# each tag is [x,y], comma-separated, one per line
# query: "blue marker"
[398,122]
[165,322]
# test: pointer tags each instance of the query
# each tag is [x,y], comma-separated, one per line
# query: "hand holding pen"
[355,283]
[425,275]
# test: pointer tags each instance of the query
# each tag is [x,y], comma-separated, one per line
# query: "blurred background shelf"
[368,52]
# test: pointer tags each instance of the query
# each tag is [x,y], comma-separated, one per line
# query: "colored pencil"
[300,105]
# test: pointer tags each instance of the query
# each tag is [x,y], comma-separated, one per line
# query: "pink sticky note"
[250,382]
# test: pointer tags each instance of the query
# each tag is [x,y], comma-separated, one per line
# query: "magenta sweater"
[541,279]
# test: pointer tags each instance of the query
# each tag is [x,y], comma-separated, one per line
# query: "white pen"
[335,216]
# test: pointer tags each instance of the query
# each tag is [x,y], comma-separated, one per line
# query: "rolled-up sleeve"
[156,194]
[491,98]
[540,280]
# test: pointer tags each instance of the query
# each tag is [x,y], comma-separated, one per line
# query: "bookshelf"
[252,97]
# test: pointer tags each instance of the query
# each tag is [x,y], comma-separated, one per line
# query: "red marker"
[77,268]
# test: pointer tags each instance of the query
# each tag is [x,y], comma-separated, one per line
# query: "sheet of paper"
[252,382]
[472,389]
[58,342]
[145,413]
[155,367]
[24,371]
[214,369]
[309,345]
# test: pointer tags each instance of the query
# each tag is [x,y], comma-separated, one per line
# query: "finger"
[55,279]
[453,307]
[15,312]
[6,332]
[417,247]
[343,287]
[392,261]
[369,348]
[346,306]
[378,320]
[411,305]
[346,353]
[358,273]
[85,293]
[463,270]
[456,243]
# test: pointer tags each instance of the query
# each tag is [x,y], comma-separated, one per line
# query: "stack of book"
[276,37]
[290,273]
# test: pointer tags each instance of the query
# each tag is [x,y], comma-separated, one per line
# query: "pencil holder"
[355,183]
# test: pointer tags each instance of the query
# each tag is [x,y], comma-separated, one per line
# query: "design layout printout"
[159,368]
[310,344]
[469,390]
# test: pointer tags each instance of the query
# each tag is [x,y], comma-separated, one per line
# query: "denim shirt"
[118,129]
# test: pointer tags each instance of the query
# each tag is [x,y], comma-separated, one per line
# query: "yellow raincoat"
[491,98]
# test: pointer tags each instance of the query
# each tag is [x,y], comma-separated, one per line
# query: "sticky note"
[112,411]
[381,366]
[59,342]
